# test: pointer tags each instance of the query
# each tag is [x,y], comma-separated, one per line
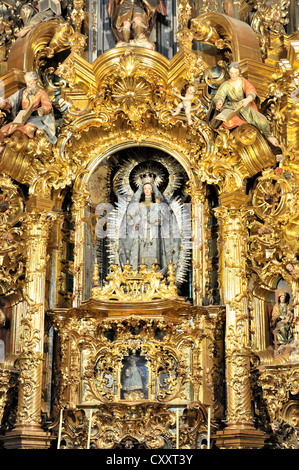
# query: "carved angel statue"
[239,96]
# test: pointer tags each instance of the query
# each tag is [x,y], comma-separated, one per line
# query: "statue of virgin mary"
[149,233]
[149,227]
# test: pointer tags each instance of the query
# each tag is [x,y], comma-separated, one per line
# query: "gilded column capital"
[37,204]
[237,199]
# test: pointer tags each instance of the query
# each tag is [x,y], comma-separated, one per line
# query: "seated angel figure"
[41,116]
[236,92]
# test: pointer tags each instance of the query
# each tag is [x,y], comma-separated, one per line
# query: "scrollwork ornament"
[11,231]
[30,369]
[239,411]
[271,196]
[277,388]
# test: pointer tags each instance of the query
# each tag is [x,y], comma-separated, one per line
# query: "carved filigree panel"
[114,360]
[11,251]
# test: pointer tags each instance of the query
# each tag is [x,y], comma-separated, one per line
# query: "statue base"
[27,437]
[240,438]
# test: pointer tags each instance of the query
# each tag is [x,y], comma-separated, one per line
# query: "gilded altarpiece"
[178,328]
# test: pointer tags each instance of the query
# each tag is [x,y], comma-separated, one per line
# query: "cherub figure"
[186,102]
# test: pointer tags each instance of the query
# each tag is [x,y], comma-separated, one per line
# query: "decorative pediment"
[133,81]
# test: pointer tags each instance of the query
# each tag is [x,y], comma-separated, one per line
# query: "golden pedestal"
[238,438]
[156,340]
[27,437]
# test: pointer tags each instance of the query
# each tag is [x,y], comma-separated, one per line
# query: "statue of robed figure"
[134,16]
[149,232]
[235,100]
[150,224]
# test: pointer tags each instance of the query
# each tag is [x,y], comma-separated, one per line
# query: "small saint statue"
[133,378]
[134,18]
[281,319]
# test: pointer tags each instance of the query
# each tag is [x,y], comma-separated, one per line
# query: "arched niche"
[99,187]
[10,306]
[102,156]
[265,295]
